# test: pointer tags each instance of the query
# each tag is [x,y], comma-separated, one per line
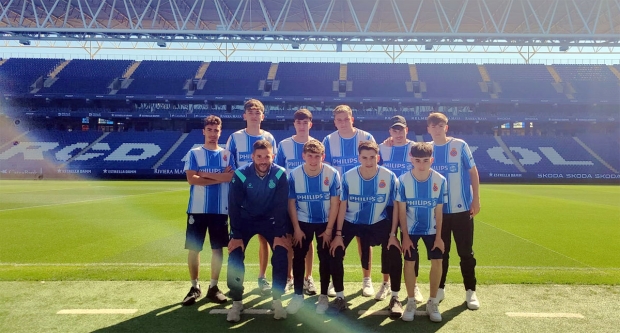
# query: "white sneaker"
[367,289]
[322,305]
[331,292]
[234,314]
[278,310]
[295,304]
[419,298]
[409,311]
[432,310]
[383,291]
[441,294]
[290,285]
[472,300]
[309,286]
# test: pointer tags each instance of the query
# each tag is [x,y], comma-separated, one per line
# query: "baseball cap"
[398,121]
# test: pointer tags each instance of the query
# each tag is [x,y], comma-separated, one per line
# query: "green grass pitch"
[119,244]
[134,230]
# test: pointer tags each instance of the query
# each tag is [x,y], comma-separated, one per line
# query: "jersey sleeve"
[328,151]
[191,163]
[232,148]
[344,194]
[291,186]
[400,192]
[468,157]
[335,188]
[395,185]
[443,195]
[280,158]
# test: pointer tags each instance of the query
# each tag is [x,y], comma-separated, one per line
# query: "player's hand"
[298,237]
[234,243]
[282,241]
[407,245]
[228,169]
[394,242]
[475,207]
[389,142]
[336,243]
[439,245]
[327,238]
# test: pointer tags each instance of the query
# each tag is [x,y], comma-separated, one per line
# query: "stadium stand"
[452,81]
[18,74]
[234,78]
[553,154]
[605,146]
[81,76]
[127,150]
[161,77]
[306,79]
[523,82]
[378,80]
[593,83]
[488,154]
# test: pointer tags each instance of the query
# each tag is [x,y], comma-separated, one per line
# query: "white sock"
[367,279]
[411,299]
[395,294]
[340,294]
[195,284]
[213,283]
[433,300]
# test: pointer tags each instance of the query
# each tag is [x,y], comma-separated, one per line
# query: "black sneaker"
[192,296]
[215,295]
[264,287]
[396,309]
[336,306]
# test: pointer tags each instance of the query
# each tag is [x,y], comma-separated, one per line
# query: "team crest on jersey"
[191,219]
[225,158]
[453,152]
[326,181]
[382,184]
[435,187]
[272,184]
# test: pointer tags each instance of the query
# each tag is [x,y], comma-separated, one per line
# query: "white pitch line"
[84,201]
[55,189]
[386,313]
[245,311]
[544,315]
[162,264]
[97,311]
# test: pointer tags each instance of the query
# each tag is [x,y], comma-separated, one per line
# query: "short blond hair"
[343,109]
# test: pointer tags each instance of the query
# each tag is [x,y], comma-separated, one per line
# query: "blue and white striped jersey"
[342,153]
[367,199]
[289,154]
[211,199]
[396,158]
[421,198]
[453,160]
[240,146]
[313,194]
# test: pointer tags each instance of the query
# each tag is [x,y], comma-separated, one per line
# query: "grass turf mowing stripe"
[97,311]
[87,201]
[544,315]
[385,313]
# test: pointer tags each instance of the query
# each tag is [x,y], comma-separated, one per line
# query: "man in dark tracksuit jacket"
[257,204]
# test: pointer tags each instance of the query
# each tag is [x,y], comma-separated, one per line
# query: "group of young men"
[345,187]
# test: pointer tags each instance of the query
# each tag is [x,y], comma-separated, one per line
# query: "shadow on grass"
[196,318]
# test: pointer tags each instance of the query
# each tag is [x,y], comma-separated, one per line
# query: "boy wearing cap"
[395,157]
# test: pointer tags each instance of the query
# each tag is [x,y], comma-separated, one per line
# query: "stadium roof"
[422,24]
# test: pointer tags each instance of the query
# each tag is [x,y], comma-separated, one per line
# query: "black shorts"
[197,225]
[429,241]
[369,234]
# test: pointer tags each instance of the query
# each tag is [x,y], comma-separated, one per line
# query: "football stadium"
[102,101]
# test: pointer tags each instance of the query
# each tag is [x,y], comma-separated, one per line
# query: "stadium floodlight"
[564,48]
[428,47]
[161,44]
[24,41]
